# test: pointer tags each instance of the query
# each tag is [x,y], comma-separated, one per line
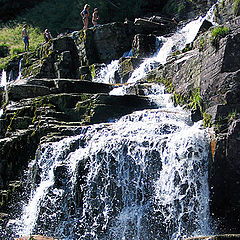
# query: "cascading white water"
[142,177]
[107,74]
[19,70]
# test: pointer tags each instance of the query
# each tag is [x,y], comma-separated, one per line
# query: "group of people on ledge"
[85,15]
[47,35]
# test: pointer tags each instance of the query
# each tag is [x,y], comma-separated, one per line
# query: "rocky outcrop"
[43,87]
[67,56]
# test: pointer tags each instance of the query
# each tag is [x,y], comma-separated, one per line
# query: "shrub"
[236,8]
[4,51]
[217,34]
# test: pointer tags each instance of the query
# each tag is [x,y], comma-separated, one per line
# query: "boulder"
[144,45]
[155,27]
[112,40]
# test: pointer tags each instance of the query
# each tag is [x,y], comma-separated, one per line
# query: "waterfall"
[144,176]
[107,74]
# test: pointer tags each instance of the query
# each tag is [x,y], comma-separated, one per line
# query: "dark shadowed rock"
[217,237]
[42,87]
[81,86]
[109,107]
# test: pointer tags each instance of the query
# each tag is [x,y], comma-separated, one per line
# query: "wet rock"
[60,174]
[108,108]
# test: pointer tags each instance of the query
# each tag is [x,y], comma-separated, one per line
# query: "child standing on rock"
[85,15]
[95,17]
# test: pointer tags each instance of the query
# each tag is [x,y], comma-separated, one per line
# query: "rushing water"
[142,177]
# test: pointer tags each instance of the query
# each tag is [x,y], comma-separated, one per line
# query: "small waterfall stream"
[144,176]
[3,82]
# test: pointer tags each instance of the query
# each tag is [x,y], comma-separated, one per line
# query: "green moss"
[15,115]
[93,72]
[181,8]
[232,116]
[202,44]
[223,3]
[85,109]
[126,66]
[207,120]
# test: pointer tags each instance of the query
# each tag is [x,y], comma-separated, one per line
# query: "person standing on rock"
[85,15]
[25,37]
[95,17]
